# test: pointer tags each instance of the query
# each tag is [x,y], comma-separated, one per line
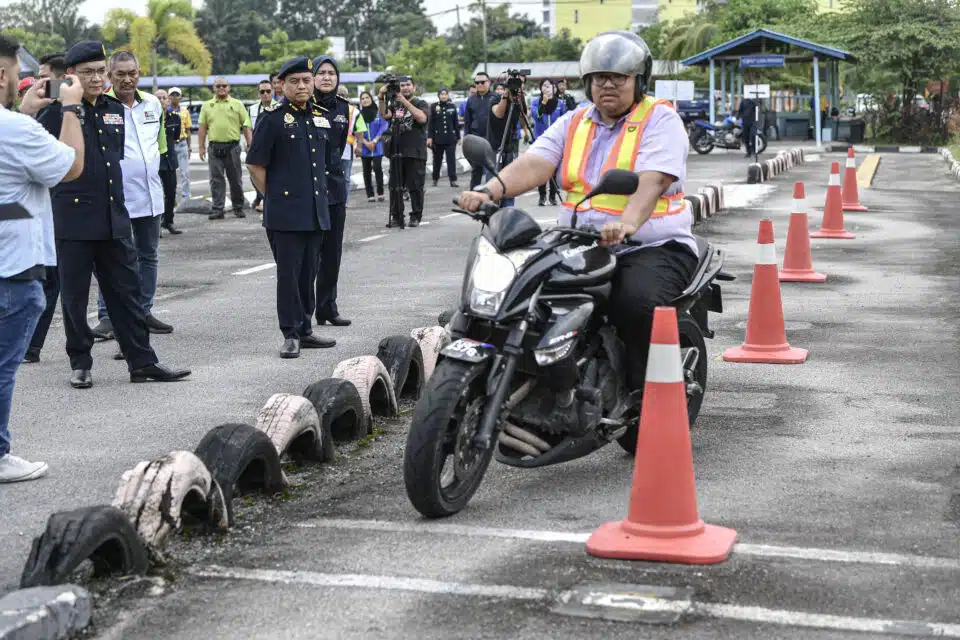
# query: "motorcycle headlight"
[490,278]
[546,357]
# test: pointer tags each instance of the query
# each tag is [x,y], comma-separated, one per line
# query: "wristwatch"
[76,109]
[485,190]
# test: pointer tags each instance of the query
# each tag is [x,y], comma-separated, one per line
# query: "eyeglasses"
[326,74]
[89,73]
[482,81]
[263,91]
[220,86]
[616,79]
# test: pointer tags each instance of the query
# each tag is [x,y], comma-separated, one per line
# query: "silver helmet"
[617,52]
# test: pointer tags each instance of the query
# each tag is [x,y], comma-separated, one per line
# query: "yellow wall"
[588,18]
[674,9]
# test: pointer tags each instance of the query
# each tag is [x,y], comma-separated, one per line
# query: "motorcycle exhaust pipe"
[529,438]
[519,445]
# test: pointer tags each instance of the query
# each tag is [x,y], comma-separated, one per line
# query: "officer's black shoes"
[119,355]
[553,202]
[157,326]
[239,213]
[337,321]
[216,215]
[414,222]
[290,348]
[157,373]
[543,202]
[103,330]
[81,379]
[31,356]
[316,342]
[172,230]
[371,199]
[436,183]
[454,185]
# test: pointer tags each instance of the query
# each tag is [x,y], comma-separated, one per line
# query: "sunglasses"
[220,86]
[482,81]
[263,91]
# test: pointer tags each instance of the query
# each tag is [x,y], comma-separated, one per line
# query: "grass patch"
[955,150]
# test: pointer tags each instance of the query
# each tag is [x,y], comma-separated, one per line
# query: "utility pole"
[459,27]
[483,19]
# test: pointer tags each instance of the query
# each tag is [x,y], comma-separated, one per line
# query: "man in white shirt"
[267,101]
[144,142]
[31,161]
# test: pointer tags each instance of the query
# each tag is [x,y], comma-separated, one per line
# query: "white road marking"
[423,224]
[372,238]
[262,267]
[762,550]
[449,215]
[628,601]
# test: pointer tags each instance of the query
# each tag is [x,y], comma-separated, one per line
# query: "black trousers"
[749,135]
[372,165]
[296,254]
[476,176]
[645,279]
[51,291]
[410,173]
[331,251]
[115,263]
[543,190]
[169,179]
[448,151]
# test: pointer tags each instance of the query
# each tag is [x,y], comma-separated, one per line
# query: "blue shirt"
[31,162]
[375,129]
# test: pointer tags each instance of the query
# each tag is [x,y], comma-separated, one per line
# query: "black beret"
[89,51]
[295,65]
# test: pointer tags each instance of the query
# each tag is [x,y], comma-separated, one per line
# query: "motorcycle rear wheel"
[690,336]
[441,468]
[703,144]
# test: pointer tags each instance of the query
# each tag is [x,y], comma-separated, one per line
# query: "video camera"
[393,87]
[515,79]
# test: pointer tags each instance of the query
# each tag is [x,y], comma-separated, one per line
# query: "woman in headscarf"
[546,109]
[371,151]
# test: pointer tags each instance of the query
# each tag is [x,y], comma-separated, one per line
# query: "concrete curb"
[950,160]
[44,613]
[882,148]
[765,171]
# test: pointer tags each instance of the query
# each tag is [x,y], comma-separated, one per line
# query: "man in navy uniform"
[289,162]
[443,135]
[337,112]
[93,231]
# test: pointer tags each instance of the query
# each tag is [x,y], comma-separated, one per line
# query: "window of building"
[546,17]
[576,16]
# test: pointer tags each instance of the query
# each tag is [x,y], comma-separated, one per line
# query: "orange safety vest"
[351,139]
[576,153]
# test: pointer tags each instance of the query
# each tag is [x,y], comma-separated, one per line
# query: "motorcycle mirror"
[617,182]
[478,151]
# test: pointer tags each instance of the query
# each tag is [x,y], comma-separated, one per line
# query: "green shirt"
[225,119]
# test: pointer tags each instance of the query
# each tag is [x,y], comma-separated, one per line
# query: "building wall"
[675,9]
[587,18]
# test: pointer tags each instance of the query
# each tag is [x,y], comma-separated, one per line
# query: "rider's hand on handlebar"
[615,233]
[473,200]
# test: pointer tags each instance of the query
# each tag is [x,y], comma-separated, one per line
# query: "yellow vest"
[576,153]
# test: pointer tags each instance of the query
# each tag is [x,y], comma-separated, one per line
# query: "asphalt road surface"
[841,475]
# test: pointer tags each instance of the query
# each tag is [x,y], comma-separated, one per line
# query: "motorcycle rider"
[623,128]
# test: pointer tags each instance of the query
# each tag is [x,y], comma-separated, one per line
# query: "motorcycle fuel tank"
[583,266]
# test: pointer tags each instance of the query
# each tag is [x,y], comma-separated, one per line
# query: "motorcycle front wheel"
[690,337]
[441,467]
[703,144]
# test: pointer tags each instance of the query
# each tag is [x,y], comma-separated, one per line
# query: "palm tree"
[688,38]
[169,23]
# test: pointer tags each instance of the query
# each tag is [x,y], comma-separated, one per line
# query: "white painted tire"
[157,495]
[293,426]
[432,341]
[373,383]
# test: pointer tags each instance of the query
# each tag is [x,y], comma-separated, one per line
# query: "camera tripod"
[517,105]
[396,165]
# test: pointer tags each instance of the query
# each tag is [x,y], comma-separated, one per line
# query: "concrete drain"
[626,603]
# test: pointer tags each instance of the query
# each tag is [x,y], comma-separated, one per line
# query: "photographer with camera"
[507,113]
[407,145]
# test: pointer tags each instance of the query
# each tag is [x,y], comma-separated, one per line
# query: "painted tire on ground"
[292,424]
[340,408]
[432,341]
[45,613]
[403,359]
[162,496]
[373,383]
[241,459]
[101,534]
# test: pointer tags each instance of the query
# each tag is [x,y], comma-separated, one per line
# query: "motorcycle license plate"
[468,350]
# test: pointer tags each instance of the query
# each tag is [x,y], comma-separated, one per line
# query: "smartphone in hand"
[53,88]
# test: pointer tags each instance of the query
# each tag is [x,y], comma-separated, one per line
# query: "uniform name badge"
[320,121]
[112,118]
[150,117]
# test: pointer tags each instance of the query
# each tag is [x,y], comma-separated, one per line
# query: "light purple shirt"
[664,148]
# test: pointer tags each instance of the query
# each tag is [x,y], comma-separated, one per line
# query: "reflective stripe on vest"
[351,139]
[576,154]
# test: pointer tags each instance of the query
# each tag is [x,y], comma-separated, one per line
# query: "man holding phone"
[31,161]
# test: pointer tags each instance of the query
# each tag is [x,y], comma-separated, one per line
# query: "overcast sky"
[95,9]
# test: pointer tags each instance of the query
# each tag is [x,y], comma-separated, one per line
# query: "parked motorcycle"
[728,135]
[535,371]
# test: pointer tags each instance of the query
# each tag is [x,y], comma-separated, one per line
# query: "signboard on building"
[756,91]
[764,60]
[673,90]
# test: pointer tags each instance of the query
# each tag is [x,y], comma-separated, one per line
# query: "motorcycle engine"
[730,139]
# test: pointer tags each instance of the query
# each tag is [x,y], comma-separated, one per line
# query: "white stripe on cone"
[851,162]
[800,205]
[663,363]
[767,253]
[834,180]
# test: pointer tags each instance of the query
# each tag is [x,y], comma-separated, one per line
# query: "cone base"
[836,235]
[855,207]
[795,275]
[710,546]
[765,355]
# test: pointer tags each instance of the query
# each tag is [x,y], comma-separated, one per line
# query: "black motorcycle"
[534,369]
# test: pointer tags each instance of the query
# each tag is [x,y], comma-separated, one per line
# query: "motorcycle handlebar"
[595,235]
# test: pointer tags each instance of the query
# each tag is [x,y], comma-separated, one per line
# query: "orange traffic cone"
[832,225]
[851,196]
[663,522]
[797,261]
[766,340]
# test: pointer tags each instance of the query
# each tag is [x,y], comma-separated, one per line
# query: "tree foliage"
[276,48]
[231,30]
[38,44]
[430,64]
[48,18]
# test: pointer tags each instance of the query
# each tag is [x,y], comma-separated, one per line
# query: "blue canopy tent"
[28,64]
[778,49]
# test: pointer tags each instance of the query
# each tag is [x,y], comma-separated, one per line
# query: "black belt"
[230,142]
[36,272]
